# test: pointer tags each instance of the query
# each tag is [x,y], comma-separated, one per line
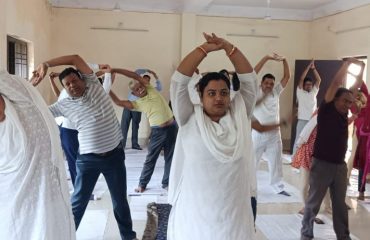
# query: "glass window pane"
[17,47]
[24,71]
[24,49]
[18,70]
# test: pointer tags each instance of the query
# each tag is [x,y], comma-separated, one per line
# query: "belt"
[166,124]
[109,152]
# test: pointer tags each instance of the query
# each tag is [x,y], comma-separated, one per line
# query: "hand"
[53,75]
[355,61]
[278,57]
[214,43]
[39,74]
[312,64]
[104,66]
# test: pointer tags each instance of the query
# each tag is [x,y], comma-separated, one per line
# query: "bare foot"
[328,210]
[301,211]
[140,189]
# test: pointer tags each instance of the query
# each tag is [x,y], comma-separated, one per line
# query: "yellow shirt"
[154,106]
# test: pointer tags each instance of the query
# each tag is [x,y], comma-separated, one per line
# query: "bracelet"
[47,64]
[202,49]
[232,51]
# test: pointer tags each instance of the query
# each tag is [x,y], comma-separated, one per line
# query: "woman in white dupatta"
[34,196]
[213,175]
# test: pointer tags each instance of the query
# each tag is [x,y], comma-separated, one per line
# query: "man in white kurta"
[267,113]
[306,98]
[34,196]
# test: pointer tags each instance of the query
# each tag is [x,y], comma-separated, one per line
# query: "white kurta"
[34,196]
[212,175]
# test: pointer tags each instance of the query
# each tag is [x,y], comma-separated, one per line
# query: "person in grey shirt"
[99,135]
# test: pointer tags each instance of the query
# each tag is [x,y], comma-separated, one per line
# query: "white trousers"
[270,144]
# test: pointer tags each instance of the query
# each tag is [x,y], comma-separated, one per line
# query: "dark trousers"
[127,117]
[324,175]
[361,187]
[159,138]
[254,207]
[112,166]
[70,145]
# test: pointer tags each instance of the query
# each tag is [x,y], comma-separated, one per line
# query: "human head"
[2,109]
[72,81]
[214,92]
[343,100]
[225,72]
[146,77]
[235,81]
[268,82]
[138,89]
[307,84]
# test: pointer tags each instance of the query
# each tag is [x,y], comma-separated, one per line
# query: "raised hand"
[53,75]
[355,61]
[214,43]
[312,64]
[39,74]
[277,57]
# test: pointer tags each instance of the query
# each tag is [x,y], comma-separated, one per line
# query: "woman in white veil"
[34,196]
[213,175]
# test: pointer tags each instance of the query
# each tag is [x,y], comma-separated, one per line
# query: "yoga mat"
[93,225]
[265,193]
[138,205]
[288,227]
[134,164]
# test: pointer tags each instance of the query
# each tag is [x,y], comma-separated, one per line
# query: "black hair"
[341,91]
[100,80]
[67,72]
[307,79]
[203,82]
[235,81]
[268,75]
[224,72]
[146,75]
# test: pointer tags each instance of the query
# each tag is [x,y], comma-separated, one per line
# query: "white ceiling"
[305,10]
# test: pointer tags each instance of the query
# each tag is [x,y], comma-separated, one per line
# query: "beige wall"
[328,42]
[58,31]
[158,49]
[28,21]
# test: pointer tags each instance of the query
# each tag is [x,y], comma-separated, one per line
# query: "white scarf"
[229,142]
[224,140]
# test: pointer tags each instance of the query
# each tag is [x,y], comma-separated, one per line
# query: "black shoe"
[137,147]
[284,193]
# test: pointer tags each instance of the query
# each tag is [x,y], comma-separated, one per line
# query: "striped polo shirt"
[93,114]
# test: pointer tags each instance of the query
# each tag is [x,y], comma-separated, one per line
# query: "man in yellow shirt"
[162,123]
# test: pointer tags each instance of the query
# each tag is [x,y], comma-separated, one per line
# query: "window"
[353,71]
[17,57]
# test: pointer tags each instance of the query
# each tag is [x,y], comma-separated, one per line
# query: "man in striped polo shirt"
[99,135]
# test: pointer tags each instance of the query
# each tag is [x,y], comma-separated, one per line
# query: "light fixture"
[116,8]
[268,14]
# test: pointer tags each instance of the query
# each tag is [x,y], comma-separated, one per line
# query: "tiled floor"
[284,213]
